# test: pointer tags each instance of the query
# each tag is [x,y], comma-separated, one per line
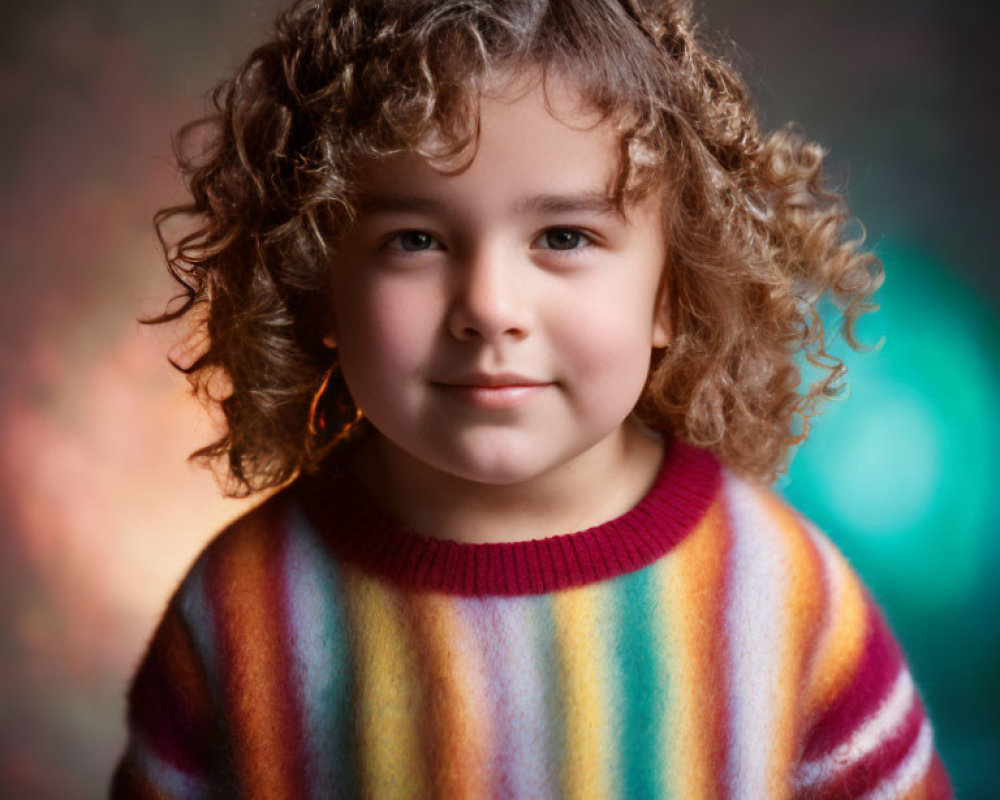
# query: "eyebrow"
[588,202]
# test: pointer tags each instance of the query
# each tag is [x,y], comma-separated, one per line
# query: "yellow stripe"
[584,661]
[693,593]
[461,731]
[388,699]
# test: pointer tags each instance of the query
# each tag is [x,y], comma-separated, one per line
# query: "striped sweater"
[709,643]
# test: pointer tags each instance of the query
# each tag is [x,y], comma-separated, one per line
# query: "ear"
[330,331]
[661,328]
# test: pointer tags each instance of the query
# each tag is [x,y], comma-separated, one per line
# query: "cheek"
[610,348]
[382,332]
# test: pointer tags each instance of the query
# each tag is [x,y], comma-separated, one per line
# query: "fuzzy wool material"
[709,643]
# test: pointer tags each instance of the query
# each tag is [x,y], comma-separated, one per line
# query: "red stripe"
[878,668]
[170,702]
[291,712]
[878,765]
[721,679]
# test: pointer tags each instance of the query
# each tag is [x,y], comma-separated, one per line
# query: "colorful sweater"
[709,643]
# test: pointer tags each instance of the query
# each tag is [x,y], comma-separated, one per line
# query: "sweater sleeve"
[866,732]
[173,749]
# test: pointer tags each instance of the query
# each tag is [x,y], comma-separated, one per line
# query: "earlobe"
[330,341]
[661,331]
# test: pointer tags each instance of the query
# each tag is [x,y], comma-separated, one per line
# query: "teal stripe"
[323,662]
[643,689]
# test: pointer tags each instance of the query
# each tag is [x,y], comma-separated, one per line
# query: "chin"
[494,473]
[494,466]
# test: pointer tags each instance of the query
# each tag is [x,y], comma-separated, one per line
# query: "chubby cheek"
[382,338]
[610,355]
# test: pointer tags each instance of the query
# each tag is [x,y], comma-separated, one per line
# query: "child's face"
[496,325]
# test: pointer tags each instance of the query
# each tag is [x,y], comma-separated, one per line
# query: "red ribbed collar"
[355,528]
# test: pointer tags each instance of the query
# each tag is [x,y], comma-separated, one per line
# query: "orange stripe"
[842,641]
[918,790]
[252,659]
[693,599]
[460,725]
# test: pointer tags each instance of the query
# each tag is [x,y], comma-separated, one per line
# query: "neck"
[572,497]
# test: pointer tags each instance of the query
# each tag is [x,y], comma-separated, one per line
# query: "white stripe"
[910,771]
[322,658]
[165,777]
[755,621]
[833,574]
[879,727]
[509,632]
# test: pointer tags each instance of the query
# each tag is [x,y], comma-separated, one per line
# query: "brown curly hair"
[755,240]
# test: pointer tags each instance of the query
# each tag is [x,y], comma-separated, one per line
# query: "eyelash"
[583,240]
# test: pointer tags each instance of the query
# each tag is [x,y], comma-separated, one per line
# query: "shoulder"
[771,538]
[781,561]
[791,584]
[257,562]
[858,719]
[781,547]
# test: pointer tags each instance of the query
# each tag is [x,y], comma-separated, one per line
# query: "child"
[505,296]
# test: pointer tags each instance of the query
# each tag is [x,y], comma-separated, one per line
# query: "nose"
[490,298]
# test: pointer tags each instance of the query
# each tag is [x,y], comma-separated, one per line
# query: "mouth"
[493,391]
[499,380]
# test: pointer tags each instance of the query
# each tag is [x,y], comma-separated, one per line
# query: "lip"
[493,380]
[493,391]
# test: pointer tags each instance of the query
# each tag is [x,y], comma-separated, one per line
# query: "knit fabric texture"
[710,643]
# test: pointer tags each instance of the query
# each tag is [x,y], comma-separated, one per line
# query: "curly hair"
[755,239]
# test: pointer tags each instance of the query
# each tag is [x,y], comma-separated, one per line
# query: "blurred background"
[101,514]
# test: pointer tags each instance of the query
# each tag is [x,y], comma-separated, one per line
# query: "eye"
[413,241]
[562,239]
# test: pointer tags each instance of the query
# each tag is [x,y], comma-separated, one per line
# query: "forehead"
[537,138]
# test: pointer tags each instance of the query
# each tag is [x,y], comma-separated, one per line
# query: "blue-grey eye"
[415,240]
[563,238]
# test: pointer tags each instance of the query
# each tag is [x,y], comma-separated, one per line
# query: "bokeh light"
[100,515]
[902,472]
[905,467]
